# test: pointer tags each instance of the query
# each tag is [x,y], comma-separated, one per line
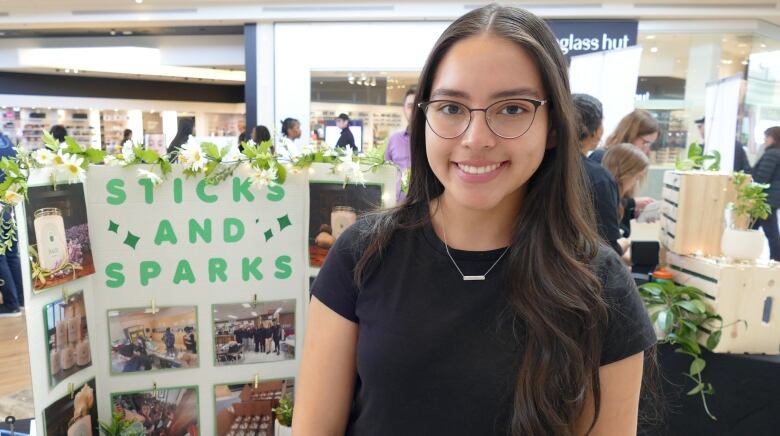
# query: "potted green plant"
[119,426]
[284,415]
[696,159]
[682,319]
[739,240]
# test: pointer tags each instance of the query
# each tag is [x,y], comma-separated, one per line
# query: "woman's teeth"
[478,170]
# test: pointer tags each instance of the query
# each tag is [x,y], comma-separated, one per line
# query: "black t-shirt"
[606,199]
[346,139]
[437,355]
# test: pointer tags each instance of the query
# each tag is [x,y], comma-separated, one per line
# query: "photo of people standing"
[162,412]
[254,333]
[146,341]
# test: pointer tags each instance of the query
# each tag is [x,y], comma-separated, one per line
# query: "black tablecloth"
[746,400]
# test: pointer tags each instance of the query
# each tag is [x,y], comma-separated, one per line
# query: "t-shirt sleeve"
[335,285]
[629,330]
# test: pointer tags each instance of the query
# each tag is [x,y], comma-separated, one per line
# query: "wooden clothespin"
[254,301]
[154,389]
[71,390]
[154,306]
[65,295]
[257,380]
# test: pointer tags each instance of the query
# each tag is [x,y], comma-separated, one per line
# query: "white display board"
[610,76]
[189,248]
[721,106]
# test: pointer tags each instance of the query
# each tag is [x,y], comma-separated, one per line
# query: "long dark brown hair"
[551,289]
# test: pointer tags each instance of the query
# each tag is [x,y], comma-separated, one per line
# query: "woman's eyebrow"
[514,92]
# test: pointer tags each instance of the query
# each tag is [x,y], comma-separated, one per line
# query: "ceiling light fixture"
[745,62]
[726,61]
[653,49]
[650,37]
[127,32]
[351,79]
[112,32]
[139,1]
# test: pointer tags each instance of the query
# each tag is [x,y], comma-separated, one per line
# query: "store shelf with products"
[33,123]
[112,127]
[78,125]
[672,137]
[222,125]
[10,125]
[379,122]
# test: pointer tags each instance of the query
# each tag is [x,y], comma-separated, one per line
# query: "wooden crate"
[693,210]
[736,292]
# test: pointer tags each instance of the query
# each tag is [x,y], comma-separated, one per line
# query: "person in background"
[260,134]
[59,132]
[604,189]
[185,129]
[398,145]
[741,162]
[11,287]
[638,128]
[628,165]
[291,130]
[127,135]
[346,139]
[189,340]
[169,340]
[767,170]
[276,335]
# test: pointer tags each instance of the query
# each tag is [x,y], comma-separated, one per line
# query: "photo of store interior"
[249,333]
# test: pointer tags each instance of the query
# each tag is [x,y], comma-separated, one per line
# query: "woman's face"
[294,132]
[630,182]
[480,170]
[768,140]
[645,141]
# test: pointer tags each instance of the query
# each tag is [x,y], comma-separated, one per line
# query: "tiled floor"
[15,385]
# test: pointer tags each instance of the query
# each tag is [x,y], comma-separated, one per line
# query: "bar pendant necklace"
[465,277]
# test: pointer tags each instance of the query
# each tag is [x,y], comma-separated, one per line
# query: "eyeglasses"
[645,142]
[508,119]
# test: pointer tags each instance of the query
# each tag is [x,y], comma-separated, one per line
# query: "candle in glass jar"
[54,361]
[74,329]
[67,357]
[50,237]
[83,356]
[341,217]
[62,334]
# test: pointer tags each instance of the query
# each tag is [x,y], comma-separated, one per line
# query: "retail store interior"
[158,74]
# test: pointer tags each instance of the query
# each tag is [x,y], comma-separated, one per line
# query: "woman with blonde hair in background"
[628,165]
[638,128]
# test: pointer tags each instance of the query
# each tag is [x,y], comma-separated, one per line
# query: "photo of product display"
[160,412]
[334,207]
[143,339]
[247,408]
[67,338]
[58,235]
[254,333]
[73,415]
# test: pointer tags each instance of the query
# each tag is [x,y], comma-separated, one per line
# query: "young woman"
[638,128]
[767,170]
[484,304]
[628,165]
[291,130]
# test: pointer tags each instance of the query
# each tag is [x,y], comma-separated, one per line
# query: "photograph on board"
[246,333]
[67,338]
[73,415]
[58,235]
[143,339]
[247,408]
[160,412]
[333,207]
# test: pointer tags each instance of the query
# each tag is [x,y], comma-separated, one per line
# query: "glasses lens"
[510,118]
[447,119]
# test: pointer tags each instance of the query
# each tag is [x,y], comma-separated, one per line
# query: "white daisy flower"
[191,155]
[13,197]
[43,156]
[71,168]
[59,158]
[233,155]
[262,178]
[145,174]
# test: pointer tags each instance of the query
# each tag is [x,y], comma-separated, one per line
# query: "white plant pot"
[742,244]
[281,430]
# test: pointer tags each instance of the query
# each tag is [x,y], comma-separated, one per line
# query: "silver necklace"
[465,277]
